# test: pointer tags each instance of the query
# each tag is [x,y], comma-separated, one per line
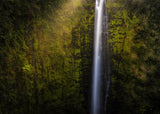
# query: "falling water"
[101,66]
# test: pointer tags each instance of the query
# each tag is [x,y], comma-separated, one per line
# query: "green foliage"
[134,32]
[44,55]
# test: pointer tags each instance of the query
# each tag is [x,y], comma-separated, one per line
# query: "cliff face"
[45,56]
[46,53]
[133,27]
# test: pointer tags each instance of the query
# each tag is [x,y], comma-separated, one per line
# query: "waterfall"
[101,64]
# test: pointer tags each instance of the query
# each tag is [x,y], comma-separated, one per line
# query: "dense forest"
[134,27]
[46,56]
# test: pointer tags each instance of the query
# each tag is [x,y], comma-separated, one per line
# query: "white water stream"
[96,83]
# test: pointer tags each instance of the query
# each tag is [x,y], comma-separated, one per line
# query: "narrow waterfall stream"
[101,64]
